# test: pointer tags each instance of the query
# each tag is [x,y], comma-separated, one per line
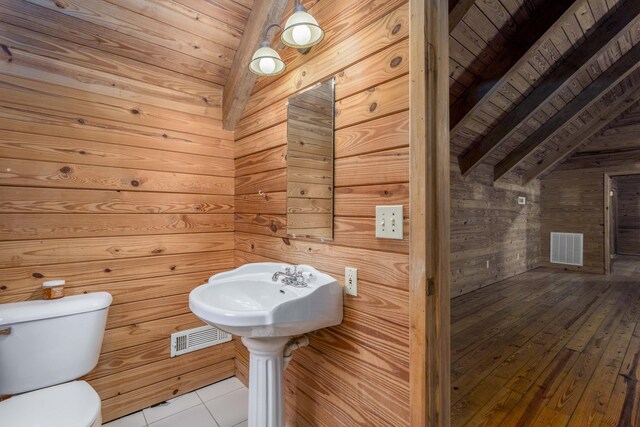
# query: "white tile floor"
[223,404]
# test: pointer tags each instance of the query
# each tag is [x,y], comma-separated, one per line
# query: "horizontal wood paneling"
[135,275]
[492,237]
[56,226]
[371,168]
[67,201]
[628,210]
[575,204]
[118,177]
[105,30]
[33,173]
[146,396]
[573,194]
[22,120]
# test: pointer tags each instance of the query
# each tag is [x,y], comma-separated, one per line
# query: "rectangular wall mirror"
[310,122]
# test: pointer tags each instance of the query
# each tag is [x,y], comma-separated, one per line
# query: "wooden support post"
[429,274]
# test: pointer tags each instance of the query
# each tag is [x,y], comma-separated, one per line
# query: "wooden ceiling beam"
[518,50]
[585,99]
[240,82]
[553,83]
[582,137]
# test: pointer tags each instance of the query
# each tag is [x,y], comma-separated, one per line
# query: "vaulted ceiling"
[616,144]
[534,80]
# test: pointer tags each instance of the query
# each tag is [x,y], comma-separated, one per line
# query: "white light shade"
[266,62]
[301,31]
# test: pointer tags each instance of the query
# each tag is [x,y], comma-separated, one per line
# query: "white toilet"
[44,346]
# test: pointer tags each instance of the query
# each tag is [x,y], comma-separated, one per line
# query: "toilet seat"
[73,404]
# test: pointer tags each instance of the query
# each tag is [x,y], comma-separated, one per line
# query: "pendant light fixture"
[301,30]
[265,60]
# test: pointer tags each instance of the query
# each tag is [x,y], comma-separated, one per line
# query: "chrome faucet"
[294,278]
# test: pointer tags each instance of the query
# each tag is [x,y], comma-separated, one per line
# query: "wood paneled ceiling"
[615,145]
[531,81]
[189,44]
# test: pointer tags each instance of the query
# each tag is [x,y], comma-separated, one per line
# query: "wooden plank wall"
[628,215]
[356,373]
[572,200]
[488,226]
[117,177]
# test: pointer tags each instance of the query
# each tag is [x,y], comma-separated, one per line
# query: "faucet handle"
[286,269]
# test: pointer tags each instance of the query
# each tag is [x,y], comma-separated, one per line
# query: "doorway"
[622,217]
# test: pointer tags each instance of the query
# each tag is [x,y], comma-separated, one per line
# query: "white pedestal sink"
[247,302]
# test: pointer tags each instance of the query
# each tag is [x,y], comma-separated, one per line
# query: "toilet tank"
[43,343]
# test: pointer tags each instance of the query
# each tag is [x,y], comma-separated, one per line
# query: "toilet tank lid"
[18,312]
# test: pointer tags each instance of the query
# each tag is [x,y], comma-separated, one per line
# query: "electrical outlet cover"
[351,281]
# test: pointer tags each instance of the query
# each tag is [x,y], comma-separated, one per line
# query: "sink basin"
[266,313]
[248,303]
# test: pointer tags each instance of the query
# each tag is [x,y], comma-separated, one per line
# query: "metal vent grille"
[567,248]
[197,338]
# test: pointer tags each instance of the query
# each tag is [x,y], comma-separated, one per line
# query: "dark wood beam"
[581,138]
[577,61]
[585,99]
[613,152]
[516,52]
[457,10]
[240,82]
[622,163]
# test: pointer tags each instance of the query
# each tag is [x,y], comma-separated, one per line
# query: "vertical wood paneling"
[116,176]
[371,167]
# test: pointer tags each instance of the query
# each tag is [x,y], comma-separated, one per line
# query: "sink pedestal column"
[266,391]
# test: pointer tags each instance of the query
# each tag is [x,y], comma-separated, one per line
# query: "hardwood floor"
[549,348]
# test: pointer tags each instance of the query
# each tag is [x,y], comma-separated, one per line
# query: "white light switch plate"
[389,222]
[351,281]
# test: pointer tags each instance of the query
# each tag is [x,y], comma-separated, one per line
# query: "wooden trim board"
[429,276]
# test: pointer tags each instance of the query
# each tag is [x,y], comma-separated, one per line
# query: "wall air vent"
[197,338]
[567,248]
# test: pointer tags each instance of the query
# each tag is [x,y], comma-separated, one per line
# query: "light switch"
[389,222]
